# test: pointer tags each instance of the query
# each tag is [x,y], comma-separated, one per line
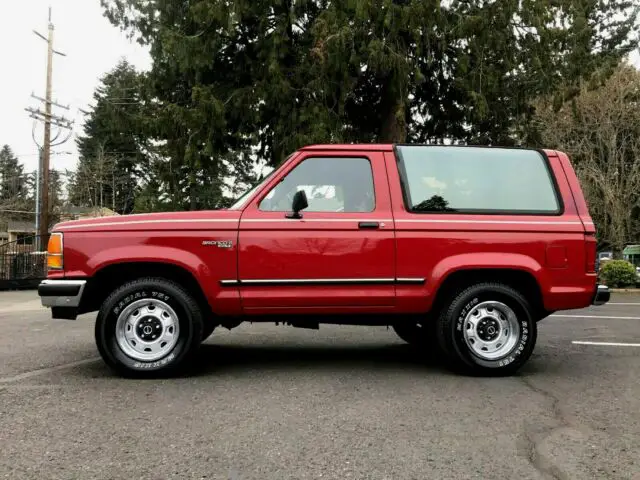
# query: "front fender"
[87,253]
[149,253]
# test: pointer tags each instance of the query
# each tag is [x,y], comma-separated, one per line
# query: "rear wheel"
[147,327]
[488,329]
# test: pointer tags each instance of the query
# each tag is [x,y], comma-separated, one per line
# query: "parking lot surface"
[268,402]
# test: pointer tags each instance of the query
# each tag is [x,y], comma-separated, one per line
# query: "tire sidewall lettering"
[157,364]
[122,304]
[142,293]
[519,348]
[463,313]
[525,337]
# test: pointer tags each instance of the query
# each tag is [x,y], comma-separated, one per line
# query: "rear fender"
[486,260]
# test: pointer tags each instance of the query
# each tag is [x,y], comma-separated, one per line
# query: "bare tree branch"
[600,130]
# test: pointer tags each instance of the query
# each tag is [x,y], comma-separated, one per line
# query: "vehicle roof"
[388,147]
[368,147]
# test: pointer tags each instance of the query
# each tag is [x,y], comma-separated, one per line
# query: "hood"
[201,220]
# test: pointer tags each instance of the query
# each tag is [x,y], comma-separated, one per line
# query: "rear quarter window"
[477,180]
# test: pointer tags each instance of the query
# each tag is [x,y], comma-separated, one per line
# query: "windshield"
[247,195]
[243,199]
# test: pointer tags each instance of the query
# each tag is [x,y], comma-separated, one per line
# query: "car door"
[340,254]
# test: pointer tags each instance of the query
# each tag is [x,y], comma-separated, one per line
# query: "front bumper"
[601,296]
[61,293]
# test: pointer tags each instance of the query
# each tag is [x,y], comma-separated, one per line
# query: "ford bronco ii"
[461,250]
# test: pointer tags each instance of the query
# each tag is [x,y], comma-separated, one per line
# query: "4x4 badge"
[218,243]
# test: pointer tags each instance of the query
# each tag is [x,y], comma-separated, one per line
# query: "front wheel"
[149,326]
[488,329]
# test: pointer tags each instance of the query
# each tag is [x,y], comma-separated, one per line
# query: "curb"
[624,290]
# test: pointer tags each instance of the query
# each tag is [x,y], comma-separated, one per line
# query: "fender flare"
[488,260]
[149,254]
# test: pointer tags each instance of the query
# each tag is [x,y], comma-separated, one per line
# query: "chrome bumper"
[61,293]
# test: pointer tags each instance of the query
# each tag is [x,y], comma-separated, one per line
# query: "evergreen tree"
[56,191]
[151,197]
[278,74]
[112,149]
[12,179]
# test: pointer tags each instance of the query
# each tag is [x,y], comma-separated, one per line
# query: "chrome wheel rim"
[147,330]
[491,330]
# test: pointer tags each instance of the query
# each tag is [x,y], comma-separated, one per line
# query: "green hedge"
[618,273]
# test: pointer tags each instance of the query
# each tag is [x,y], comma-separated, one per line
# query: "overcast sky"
[93,47]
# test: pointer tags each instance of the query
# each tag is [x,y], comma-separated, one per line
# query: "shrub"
[618,273]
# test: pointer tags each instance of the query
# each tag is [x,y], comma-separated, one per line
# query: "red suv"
[462,250]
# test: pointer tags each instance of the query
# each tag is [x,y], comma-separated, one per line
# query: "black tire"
[451,334]
[420,334]
[162,292]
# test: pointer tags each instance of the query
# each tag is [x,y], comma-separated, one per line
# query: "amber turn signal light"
[54,252]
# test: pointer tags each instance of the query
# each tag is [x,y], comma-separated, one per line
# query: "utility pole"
[46,147]
[49,119]
[38,203]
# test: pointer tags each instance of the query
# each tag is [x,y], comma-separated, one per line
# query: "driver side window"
[332,184]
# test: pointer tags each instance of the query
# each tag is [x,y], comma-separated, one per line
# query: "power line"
[49,118]
[43,100]
[36,154]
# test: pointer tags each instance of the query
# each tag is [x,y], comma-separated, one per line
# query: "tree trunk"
[394,112]
[193,186]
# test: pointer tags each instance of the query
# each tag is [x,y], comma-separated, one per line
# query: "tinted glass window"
[331,184]
[440,179]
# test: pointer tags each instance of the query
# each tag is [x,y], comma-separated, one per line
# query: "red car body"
[558,252]
[343,267]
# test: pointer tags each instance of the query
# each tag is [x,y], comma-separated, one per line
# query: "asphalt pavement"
[275,402]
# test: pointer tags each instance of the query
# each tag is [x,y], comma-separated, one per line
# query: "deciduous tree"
[600,129]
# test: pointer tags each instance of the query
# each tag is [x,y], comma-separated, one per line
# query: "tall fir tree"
[112,148]
[278,74]
[12,178]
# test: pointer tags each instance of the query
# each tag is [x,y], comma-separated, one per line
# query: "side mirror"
[299,203]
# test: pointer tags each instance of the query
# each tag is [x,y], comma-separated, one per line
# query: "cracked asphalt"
[268,402]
